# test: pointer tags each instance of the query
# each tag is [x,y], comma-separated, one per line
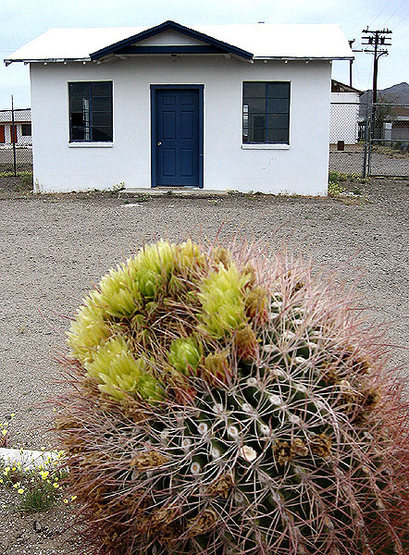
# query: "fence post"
[371,119]
[366,139]
[13,136]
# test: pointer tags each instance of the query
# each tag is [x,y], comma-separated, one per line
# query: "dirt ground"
[55,246]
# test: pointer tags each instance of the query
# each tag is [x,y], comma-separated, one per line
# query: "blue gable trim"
[166,26]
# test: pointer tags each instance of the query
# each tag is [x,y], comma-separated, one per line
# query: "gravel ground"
[54,247]
[381,164]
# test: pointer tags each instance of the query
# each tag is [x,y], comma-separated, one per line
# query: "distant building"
[344,113]
[21,133]
[396,124]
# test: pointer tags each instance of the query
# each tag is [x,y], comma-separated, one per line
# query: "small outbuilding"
[223,107]
[15,127]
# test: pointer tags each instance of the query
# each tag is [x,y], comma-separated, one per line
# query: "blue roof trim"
[170,25]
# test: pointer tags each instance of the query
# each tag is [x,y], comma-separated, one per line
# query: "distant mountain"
[397,94]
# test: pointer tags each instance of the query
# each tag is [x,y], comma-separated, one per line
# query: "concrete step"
[184,192]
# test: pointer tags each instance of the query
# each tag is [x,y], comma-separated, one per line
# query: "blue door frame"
[155,139]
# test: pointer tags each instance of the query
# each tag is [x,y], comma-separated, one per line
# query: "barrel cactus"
[229,403]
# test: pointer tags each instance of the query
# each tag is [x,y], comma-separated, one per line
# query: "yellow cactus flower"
[88,329]
[222,298]
[119,372]
[119,295]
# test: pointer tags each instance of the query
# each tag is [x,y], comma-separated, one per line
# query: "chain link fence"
[365,139]
[369,139]
[16,154]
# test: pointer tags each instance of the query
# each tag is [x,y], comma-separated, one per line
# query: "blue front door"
[176,140]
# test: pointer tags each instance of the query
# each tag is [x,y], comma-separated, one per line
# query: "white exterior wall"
[344,115]
[301,168]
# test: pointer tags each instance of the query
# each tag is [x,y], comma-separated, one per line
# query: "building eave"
[303,58]
[8,61]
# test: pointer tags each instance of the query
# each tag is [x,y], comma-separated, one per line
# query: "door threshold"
[174,191]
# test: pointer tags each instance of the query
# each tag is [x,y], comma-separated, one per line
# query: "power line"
[402,20]
[380,13]
[397,9]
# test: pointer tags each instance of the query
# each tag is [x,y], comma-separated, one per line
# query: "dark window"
[26,129]
[91,111]
[266,112]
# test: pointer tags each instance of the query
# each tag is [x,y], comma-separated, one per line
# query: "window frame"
[89,142]
[281,145]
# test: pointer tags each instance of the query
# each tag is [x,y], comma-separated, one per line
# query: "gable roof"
[219,45]
[259,41]
[337,86]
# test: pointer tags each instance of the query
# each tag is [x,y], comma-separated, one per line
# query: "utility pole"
[376,41]
[351,42]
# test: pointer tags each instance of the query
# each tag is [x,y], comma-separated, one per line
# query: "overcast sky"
[23,20]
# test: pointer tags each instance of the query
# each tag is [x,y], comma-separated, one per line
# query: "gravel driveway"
[53,248]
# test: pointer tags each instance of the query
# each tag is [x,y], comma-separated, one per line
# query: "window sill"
[272,146]
[90,144]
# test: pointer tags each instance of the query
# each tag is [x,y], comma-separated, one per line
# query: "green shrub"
[226,403]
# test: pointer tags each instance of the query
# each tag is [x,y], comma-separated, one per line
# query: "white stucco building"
[239,107]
